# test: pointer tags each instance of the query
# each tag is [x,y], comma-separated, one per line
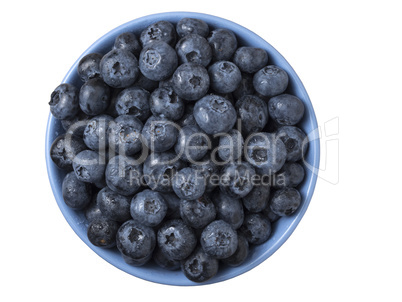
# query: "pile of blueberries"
[181,147]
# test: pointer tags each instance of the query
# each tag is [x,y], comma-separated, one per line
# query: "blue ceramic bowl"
[282,229]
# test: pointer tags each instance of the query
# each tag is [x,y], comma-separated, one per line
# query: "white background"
[348,245]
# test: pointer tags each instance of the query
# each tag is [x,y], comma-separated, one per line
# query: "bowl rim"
[296,218]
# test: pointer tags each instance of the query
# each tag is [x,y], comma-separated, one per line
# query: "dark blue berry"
[88,66]
[94,97]
[76,194]
[229,209]
[102,233]
[159,134]
[253,113]
[285,201]
[197,213]
[219,240]
[113,205]
[223,43]
[89,166]
[225,76]
[148,208]
[128,41]
[92,211]
[188,184]
[250,59]
[295,140]
[267,212]
[241,253]
[231,146]
[173,203]
[192,143]
[64,102]
[237,179]
[96,132]
[257,199]
[76,125]
[125,135]
[145,83]
[160,31]
[256,228]
[63,150]
[291,175]
[199,267]
[188,26]
[134,101]
[194,48]
[188,116]
[245,86]
[164,102]
[190,81]
[270,81]
[209,170]
[286,109]
[165,262]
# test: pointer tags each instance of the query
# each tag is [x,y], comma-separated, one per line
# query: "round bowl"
[282,229]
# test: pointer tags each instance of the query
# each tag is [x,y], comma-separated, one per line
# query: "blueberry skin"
[197,213]
[225,76]
[231,146]
[199,267]
[76,125]
[96,132]
[176,239]
[135,242]
[209,170]
[114,206]
[194,48]
[295,140]
[237,179]
[188,116]
[241,253]
[63,150]
[94,97]
[192,143]
[173,203]
[125,135]
[250,59]
[285,201]
[164,102]
[188,184]
[219,240]
[158,61]
[102,233]
[148,208]
[253,113]
[256,228]
[119,68]
[214,114]
[291,175]
[92,211]
[160,31]
[191,81]
[76,194]
[123,175]
[128,41]
[257,200]
[159,134]
[159,169]
[88,66]
[229,209]
[188,26]
[223,43]
[267,212]
[145,83]
[245,86]
[164,262]
[64,102]
[134,101]
[286,109]
[265,152]
[89,166]
[270,81]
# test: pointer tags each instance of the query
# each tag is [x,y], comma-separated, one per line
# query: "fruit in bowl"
[179,148]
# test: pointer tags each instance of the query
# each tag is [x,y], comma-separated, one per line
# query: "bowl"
[281,230]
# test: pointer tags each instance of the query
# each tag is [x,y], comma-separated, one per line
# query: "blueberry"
[253,113]
[76,194]
[265,152]
[188,26]
[173,203]
[223,43]
[134,101]
[231,146]
[219,240]
[135,242]
[102,233]
[76,125]
[229,209]
[128,41]
[92,211]
[148,208]
[96,132]
[192,144]
[164,102]
[295,140]
[257,199]
[237,179]
[245,86]
[113,205]
[209,170]
[145,83]
[159,134]
[291,175]
[63,150]
[267,212]
[188,116]
[89,166]
[286,109]
[199,267]
[256,228]
[176,239]
[111,110]
[159,169]
[64,102]
[225,76]
[165,262]
[94,97]
[197,213]
[270,81]
[241,253]
[119,68]
[158,61]
[168,83]
[285,201]
[250,59]
[160,31]
[125,135]
[214,114]
[88,66]
[191,81]
[123,175]
[188,184]
[194,48]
